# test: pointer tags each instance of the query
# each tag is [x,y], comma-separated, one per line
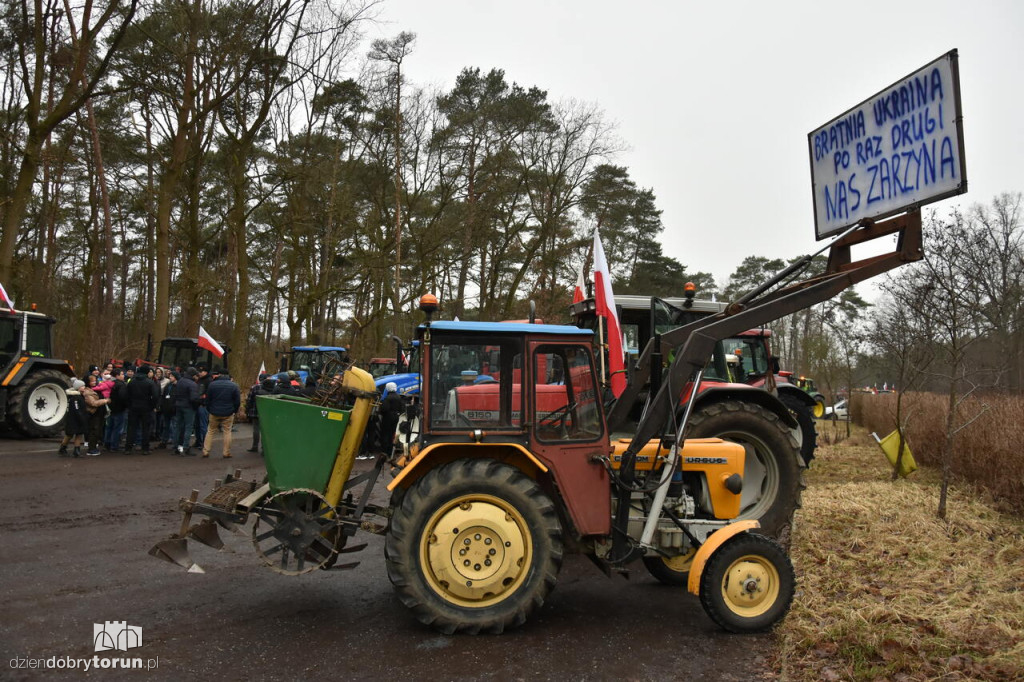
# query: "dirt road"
[75,535]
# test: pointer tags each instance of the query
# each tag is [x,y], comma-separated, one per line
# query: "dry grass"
[987,452]
[887,591]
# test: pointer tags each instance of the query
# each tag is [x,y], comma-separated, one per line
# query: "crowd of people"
[124,409]
[127,409]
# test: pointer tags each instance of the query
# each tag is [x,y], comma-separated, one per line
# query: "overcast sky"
[715,100]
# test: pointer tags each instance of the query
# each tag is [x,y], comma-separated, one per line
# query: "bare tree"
[994,257]
[937,292]
[906,349]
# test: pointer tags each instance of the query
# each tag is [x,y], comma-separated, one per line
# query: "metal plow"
[295,531]
[227,506]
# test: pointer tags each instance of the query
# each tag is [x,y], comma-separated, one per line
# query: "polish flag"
[209,343]
[606,308]
[263,370]
[6,299]
[577,294]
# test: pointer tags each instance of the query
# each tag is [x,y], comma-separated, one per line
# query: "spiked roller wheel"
[294,531]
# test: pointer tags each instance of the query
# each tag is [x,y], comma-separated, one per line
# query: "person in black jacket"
[391,409]
[167,408]
[264,387]
[76,421]
[203,379]
[222,402]
[186,400]
[143,397]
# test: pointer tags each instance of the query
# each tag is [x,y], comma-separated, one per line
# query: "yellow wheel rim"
[681,563]
[750,586]
[819,410]
[476,550]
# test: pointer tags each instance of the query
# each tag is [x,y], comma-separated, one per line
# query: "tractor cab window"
[565,399]
[738,360]
[8,339]
[631,333]
[313,361]
[476,385]
[38,342]
[746,358]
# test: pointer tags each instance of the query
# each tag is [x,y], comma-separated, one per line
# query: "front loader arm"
[757,308]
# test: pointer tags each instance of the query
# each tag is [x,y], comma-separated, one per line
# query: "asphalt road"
[74,535]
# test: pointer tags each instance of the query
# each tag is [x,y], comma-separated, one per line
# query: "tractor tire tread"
[402,564]
[710,588]
[18,396]
[807,424]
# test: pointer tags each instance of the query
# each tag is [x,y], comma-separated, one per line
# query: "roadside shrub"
[988,452]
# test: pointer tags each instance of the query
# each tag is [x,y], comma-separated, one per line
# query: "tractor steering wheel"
[558,417]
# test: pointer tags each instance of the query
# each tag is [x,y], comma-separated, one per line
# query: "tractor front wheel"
[748,584]
[475,546]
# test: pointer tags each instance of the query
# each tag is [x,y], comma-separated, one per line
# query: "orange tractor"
[494,480]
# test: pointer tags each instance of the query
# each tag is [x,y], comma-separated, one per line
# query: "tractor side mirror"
[774,362]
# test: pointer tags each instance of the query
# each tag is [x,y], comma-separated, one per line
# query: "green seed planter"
[300,441]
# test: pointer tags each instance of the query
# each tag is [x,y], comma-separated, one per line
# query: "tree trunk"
[236,220]
[165,194]
[947,445]
[15,209]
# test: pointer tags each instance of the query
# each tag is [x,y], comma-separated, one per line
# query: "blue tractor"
[408,382]
[309,361]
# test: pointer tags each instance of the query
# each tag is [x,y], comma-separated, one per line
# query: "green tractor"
[32,382]
[807,385]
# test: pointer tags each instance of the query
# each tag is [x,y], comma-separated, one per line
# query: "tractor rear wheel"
[771,478]
[37,406]
[475,546]
[747,584]
[808,433]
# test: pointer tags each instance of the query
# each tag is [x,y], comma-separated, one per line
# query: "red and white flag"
[263,370]
[7,299]
[581,285]
[606,308]
[209,343]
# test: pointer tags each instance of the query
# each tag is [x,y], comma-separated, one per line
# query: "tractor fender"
[797,393]
[714,541]
[28,363]
[748,394]
[442,453]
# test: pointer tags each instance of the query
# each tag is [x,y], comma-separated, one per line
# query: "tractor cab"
[525,393]
[510,378]
[312,361]
[181,352]
[24,333]
[747,358]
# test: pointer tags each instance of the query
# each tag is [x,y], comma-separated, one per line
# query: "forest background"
[263,170]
